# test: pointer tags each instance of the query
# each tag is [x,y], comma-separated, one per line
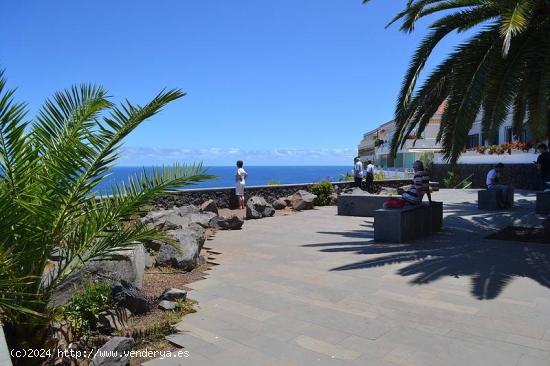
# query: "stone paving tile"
[278,299]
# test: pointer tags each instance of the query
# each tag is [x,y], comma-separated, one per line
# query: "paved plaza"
[314,289]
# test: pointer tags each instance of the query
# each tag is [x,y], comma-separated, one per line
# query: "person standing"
[369,177]
[240,178]
[543,164]
[494,181]
[358,172]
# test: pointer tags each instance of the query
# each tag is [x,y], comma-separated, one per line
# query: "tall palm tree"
[503,68]
[50,168]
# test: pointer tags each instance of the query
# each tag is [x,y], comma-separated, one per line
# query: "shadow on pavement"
[460,250]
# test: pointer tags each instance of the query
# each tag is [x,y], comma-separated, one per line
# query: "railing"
[461,184]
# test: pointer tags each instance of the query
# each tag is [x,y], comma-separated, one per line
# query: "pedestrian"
[369,177]
[494,181]
[358,172]
[240,178]
[543,165]
[420,185]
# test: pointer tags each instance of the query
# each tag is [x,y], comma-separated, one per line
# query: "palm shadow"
[460,250]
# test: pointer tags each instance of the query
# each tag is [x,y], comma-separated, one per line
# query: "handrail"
[464,180]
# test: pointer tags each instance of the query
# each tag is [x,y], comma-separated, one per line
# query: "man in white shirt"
[493,181]
[358,172]
[239,183]
[369,177]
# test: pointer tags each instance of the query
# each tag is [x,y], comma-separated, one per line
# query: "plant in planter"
[379,142]
[50,168]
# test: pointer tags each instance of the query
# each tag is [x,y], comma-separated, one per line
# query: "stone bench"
[543,203]
[488,199]
[407,223]
[360,204]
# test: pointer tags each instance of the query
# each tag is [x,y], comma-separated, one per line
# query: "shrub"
[83,308]
[379,176]
[274,182]
[346,177]
[322,190]
[454,181]
[427,159]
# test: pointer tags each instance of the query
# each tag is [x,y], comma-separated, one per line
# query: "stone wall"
[521,176]
[225,197]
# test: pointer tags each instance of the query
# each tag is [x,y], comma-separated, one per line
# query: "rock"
[173,294]
[112,320]
[127,296]
[186,210]
[203,218]
[153,245]
[288,201]
[257,208]
[127,265]
[354,190]
[190,241]
[232,222]
[303,200]
[168,305]
[114,353]
[149,261]
[209,206]
[333,199]
[279,204]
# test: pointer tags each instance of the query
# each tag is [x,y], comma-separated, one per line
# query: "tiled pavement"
[314,289]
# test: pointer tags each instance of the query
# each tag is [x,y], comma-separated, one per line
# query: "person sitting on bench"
[420,185]
[493,181]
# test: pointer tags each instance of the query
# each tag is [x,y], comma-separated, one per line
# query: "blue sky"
[272,82]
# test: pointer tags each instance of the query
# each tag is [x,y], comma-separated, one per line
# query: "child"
[239,183]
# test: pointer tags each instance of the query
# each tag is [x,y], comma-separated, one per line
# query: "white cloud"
[227,156]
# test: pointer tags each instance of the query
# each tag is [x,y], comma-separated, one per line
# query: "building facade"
[375,145]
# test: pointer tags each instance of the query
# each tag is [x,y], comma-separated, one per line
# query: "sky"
[272,82]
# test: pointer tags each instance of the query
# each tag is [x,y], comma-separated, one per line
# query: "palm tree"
[50,168]
[503,68]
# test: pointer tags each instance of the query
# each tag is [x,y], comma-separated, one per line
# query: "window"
[508,134]
[473,141]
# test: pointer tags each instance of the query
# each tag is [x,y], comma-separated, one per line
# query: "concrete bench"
[543,203]
[360,204]
[488,199]
[407,223]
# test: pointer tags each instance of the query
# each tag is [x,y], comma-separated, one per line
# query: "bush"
[346,177]
[274,182]
[322,190]
[379,176]
[454,181]
[427,159]
[83,308]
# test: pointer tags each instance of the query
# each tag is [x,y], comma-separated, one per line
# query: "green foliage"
[274,182]
[504,67]
[322,190]
[50,167]
[427,159]
[346,177]
[379,175]
[453,180]
[83,308]
[379,142]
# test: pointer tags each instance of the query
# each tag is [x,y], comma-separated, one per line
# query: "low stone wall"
[225,196]
[521,176]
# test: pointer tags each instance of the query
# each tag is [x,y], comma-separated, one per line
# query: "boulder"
[153,245]
[190,241]
[168,305]
[114,353]
[232,222]
[303,200]
[279,204]
[202,219]
[112,320]
[173,294]
[123,265]
[209,206]
[288,201]
[333,199]
[127,296]
[257,208]
[186,210]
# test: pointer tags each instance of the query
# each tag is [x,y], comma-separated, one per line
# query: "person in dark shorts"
[358,172]
[543,164]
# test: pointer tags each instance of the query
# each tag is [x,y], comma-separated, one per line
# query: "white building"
[375,145]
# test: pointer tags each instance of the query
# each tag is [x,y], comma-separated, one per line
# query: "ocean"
[258,175]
